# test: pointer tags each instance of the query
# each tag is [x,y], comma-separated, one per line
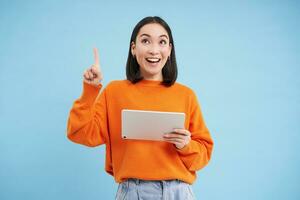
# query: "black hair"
[169,71]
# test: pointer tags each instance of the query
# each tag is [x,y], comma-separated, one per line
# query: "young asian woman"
[144,169]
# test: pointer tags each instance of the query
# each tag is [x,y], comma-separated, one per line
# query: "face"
[152,49]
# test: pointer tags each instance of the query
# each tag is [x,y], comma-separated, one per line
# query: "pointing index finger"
[96,56]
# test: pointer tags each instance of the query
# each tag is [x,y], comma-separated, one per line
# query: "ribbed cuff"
[90,93]
[186,149]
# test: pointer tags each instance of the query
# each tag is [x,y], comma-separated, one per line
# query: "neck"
[156,77]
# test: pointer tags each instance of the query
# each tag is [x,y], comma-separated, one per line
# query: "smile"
[153,60]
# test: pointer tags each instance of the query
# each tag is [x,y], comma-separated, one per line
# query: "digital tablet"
[149,125]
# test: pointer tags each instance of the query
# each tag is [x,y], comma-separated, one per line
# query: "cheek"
[166,53]
[140,51]
[140,60]
[139,56]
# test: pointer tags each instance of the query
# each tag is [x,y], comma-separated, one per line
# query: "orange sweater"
[96,120]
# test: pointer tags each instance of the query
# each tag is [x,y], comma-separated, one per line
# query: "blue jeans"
[136,189]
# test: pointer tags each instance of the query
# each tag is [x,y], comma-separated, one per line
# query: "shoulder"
[117,84]
[183,89]
[190,95]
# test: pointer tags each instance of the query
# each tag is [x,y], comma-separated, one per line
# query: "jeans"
[136,189]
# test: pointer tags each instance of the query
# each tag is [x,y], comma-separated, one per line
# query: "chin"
[153,72]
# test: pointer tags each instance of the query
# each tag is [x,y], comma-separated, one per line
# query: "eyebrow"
[144,34]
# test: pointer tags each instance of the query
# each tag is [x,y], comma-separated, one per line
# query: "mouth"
[153,60]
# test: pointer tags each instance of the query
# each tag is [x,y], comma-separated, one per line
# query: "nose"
[154,49]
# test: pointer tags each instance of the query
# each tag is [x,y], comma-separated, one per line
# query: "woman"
[144,169]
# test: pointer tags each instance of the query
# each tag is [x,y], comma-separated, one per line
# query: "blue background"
[240,57]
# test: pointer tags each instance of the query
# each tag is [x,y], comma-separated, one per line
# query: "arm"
[197,153]
[87,123]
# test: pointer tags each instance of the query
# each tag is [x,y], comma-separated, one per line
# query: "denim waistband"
[174,189]
[139,181]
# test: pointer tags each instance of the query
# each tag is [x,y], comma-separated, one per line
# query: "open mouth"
[153,60]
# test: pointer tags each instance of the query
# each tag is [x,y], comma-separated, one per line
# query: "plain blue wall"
[242,58]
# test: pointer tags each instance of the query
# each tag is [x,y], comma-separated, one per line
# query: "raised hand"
[93,75]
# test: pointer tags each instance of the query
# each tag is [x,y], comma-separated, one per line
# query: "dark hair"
[169,71]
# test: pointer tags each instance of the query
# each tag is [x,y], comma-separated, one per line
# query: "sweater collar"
[150,82]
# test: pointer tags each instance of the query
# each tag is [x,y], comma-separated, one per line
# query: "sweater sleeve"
[87,123]
[197,153]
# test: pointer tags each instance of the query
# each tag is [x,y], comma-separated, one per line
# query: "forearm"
[197,153]
[83,124]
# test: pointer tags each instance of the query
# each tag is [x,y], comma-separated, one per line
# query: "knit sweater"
[95,119]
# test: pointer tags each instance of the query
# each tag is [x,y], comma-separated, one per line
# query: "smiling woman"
[149,170]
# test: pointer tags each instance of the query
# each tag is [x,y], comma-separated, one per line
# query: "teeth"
[153,59]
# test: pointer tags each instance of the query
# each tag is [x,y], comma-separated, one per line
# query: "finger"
[175,135]
[95,73]
[176,143]
[96,57]
[182,132]
[180,140]
[86,74]
[90,74]
[94,69]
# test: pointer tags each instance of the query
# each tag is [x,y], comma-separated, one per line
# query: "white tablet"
[149,125]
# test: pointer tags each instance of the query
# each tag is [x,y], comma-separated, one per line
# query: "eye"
[163,42]
[145,41]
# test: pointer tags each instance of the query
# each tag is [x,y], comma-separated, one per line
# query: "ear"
[132,48]
[170,48]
